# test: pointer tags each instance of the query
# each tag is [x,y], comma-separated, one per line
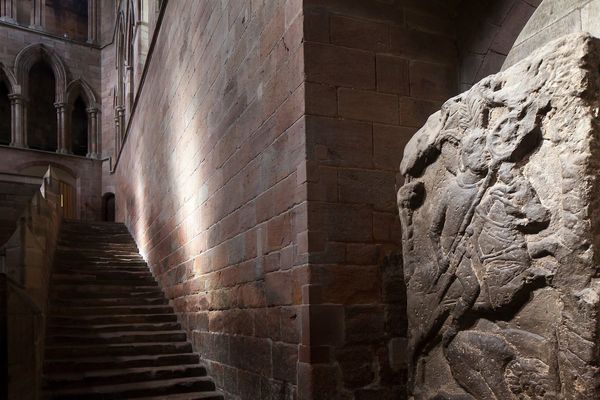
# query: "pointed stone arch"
[7,76]
[7,88]
[81,87]
[39,52]
[16,106]
[24,61]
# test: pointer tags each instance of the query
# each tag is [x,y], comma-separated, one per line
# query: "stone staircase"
[111,333]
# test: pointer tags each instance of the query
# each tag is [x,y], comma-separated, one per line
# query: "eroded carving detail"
[494,251]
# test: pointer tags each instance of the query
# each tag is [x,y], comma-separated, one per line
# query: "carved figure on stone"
[494,252]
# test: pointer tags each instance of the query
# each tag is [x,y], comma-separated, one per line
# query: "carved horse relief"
[484,253]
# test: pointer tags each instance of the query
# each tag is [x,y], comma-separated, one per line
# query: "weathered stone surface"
[498,211]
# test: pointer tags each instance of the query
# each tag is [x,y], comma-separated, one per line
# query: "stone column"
[119,123]
[92,22]
[8,10]
[38,15]
[92,133]
[17,117]
[63,145]
[129,94]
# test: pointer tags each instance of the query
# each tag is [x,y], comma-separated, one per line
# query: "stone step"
[93,226]
[69,295]
[112,363]
[86,229]
[111,319]
[114,278]
[97,329]
[68,239]
[117,376]
[133,270]
[93,253]
[104,267]
[77,242]
[99,259]
[112,301]
[111,333]
[110,310]
[116,338]
[187,396]
[133,265]
[108,289]
[133,390]
[96,242]
[129,349]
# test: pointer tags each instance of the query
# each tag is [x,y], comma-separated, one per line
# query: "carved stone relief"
[500,212]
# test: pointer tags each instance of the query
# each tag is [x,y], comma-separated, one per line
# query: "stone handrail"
[25,261]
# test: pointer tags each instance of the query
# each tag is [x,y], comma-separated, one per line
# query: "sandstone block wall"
[374,72]
[553,19]
[487,30]
[210,182]
[81,60]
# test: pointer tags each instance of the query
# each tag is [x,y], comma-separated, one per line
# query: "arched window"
[42,125]
[5,117]
[79,128]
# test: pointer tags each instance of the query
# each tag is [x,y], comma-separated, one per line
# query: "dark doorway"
[108,207]
[4,115]
[41,113]
[79,128]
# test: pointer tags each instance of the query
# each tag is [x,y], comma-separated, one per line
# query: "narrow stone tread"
[128,375]
[106,362]
[134,390]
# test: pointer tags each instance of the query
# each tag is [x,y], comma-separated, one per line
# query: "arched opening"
[79,128]
[42,126]
[5,119]
[108,207]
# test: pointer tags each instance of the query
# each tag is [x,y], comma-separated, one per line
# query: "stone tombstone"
[501,228]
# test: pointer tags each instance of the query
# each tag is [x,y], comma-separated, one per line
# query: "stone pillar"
[17,117]
[129,94]
[64,147]
[92,133]
[8,10]
[38,15]
[119,125]
[500,214]
[92,22]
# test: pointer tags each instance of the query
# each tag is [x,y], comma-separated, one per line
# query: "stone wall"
[80,59]
[14,196]
[86,174]
[25,267]
[486,32]
[553,19]
[67,18]
[259,172]
[374,71]
[210,183]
